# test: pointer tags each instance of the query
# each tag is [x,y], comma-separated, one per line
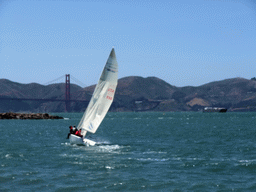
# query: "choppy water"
[135,152]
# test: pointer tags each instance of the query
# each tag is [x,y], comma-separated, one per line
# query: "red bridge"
[67,99]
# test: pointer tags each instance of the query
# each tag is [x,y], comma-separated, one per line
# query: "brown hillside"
[135,94]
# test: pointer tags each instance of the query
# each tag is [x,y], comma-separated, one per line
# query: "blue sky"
[183,42]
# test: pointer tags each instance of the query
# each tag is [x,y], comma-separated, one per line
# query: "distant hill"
[134,94]
[9,89]
[236,94]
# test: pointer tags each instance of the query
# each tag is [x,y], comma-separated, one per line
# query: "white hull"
[79,141]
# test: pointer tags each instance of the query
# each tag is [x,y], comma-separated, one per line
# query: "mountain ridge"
[135,93]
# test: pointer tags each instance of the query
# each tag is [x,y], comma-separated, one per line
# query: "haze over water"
[135,152]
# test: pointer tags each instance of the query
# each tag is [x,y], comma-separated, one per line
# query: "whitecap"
[66,143]
[110,147]
[108,167]
[77,163]
[154,152]
[243,161]
[150,159]
[103,142]
[246,162]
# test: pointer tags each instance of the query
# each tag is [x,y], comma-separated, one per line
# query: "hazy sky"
[183,42]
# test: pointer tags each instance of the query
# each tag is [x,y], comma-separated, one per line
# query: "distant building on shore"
[215,109]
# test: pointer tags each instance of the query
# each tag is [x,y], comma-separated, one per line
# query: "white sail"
[102,97]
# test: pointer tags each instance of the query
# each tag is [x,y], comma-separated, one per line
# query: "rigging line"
[77,92]
[53,87]
[51,82]
[49,93]
[79,82]
[52,90]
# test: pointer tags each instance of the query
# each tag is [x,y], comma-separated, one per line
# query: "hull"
[73,139]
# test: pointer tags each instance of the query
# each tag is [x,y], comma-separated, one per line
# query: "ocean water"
[134,152]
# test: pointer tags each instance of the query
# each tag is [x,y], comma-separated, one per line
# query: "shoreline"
[11,115]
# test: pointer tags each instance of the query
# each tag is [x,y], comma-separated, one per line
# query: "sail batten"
[102,97]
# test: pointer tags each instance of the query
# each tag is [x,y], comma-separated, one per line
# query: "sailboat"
[100,102]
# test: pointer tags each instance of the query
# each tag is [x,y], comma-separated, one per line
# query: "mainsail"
[102,97]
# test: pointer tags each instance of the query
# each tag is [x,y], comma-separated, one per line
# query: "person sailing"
[71,131]
[78,133]
[74,129]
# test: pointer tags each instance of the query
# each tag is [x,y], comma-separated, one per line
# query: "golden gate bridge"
[67,99]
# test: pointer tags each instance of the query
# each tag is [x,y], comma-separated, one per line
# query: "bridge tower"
[67,93]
